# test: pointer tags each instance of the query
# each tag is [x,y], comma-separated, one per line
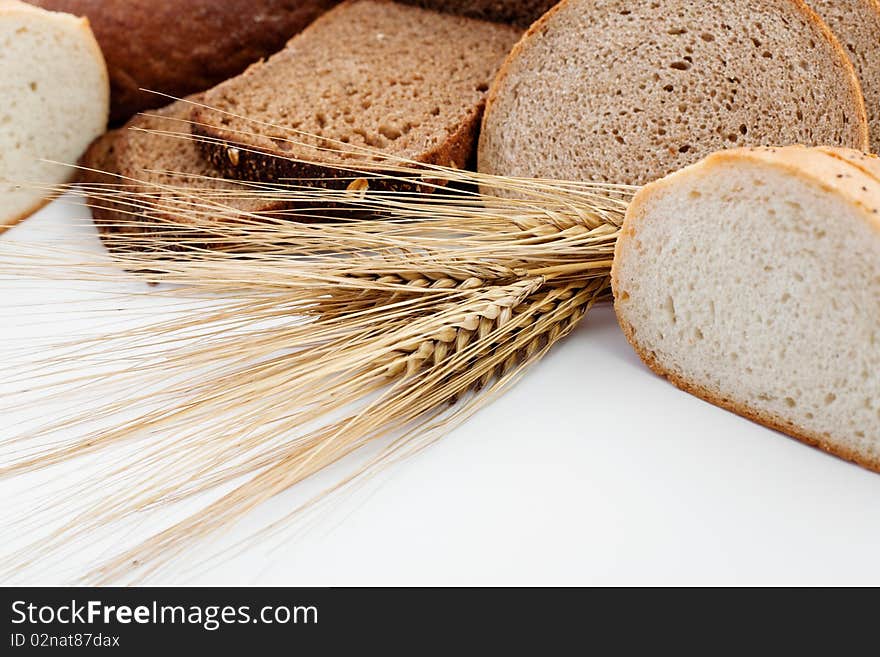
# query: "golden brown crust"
[867,163]
[179,47]
[824,166]
[17,219]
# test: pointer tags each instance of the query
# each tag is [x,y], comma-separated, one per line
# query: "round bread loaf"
[626,92]
[856,24]
[54,98]
[179,47]
[752,279]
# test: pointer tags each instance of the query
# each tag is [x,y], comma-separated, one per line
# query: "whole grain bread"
[516,12]
[151,172]
[179,47]
[612,90]
[752,280]
[370,80]
[54,99]
[856,24]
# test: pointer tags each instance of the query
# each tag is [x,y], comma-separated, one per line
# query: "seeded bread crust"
[853,96]
[828,168]
[238,157]
[179,47]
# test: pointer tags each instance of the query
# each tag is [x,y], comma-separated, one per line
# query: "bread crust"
[98,167]
[825,167]
[855,91]
[251,163]
[515,12]
[199,42]
[12,7]
[13,221]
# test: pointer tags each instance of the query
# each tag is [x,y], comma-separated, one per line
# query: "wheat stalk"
[315,341]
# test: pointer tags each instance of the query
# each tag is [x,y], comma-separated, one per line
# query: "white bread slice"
[55,101]
[752,280]
[627,92]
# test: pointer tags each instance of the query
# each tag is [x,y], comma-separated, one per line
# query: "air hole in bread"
[390,132]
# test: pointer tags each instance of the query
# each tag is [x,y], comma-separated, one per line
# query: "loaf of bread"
[515,12]
[150,169]
[856,24]
[752,280]
[369,78]
[54,99]
[179,47]
[626,92]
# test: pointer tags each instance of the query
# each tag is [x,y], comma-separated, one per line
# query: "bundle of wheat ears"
[288,343]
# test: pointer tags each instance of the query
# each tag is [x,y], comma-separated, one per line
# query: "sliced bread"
[372,78]
[154,176]
[515,12]
[625,92]
[856,24]
[180,47]
[55,100]
[752,280]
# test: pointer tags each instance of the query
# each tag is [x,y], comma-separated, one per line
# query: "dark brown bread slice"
[370,74]
[856,24]
[163,178]
[179,47]
[515,12]
[625,92]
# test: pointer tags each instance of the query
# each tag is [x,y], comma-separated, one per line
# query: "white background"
[590,471]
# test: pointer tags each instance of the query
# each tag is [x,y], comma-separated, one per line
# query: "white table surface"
[591,471]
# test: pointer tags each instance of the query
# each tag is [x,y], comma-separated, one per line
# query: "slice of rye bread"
[516,12]
[616,91]
[856,24]
[785,330]
[375,80]
[163,177]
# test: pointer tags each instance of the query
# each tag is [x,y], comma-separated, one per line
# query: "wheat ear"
[310,342]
